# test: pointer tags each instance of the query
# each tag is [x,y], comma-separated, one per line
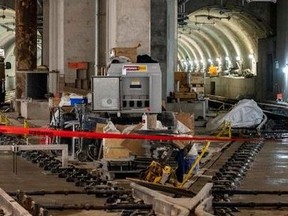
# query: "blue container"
[80,100]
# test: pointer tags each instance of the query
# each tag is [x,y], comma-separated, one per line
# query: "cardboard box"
[197,79]
[113,149]
[82,74]
[78,83]
[180,76]
[85,84]
[35,110]
[129,52]
[198,89]
[185,95]
[78,65]
[187,119]
[121,148]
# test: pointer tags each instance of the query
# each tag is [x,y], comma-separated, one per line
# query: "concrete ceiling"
[214,34]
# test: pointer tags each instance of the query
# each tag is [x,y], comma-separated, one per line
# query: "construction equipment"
[191,170]
[225,129]
[158,173]
[128,88]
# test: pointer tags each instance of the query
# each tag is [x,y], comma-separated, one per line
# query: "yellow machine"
[162,173]
[158,173]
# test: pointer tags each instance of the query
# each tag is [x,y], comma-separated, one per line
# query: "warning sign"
[134,68]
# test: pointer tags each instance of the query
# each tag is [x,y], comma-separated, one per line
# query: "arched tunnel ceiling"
[214,33]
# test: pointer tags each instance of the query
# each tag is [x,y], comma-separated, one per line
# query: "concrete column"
[79,31]
[56,35]
[71,36]
[159,37]
[2,80]
[26,43]
[172,43]
[45,36]
[54,42]
[102,41]
[129,24]
[282,44]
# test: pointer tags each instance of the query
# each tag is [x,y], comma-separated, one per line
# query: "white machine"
[128,88]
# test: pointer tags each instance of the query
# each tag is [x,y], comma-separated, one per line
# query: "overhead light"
[285,69]
[2,53]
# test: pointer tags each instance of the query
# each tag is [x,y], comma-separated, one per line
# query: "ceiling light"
[285,69]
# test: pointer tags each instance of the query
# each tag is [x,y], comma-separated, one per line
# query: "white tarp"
[245,114]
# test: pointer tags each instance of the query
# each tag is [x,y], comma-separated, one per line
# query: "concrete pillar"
[71,36]
[56,35]
[45,36]
[26,43]
[102,41]
[79,33]
[159,32]
[129,24]
[2,80]
[172,44]
[54,42]
[282,44]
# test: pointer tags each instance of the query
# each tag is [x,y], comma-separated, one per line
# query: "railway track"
[250,179]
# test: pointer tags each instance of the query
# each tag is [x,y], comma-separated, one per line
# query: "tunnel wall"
[230,87]
[266,84]
[262,10]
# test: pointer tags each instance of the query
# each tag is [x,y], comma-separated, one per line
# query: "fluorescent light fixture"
[285,69]
[2,52]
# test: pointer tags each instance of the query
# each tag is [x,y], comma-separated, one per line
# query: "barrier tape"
[98,135]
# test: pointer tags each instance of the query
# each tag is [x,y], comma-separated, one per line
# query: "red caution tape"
[97,135]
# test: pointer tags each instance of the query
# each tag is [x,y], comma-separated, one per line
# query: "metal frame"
[62,147]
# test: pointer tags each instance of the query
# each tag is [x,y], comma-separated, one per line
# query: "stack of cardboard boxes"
[82,80]
[189,86]
[197,82]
